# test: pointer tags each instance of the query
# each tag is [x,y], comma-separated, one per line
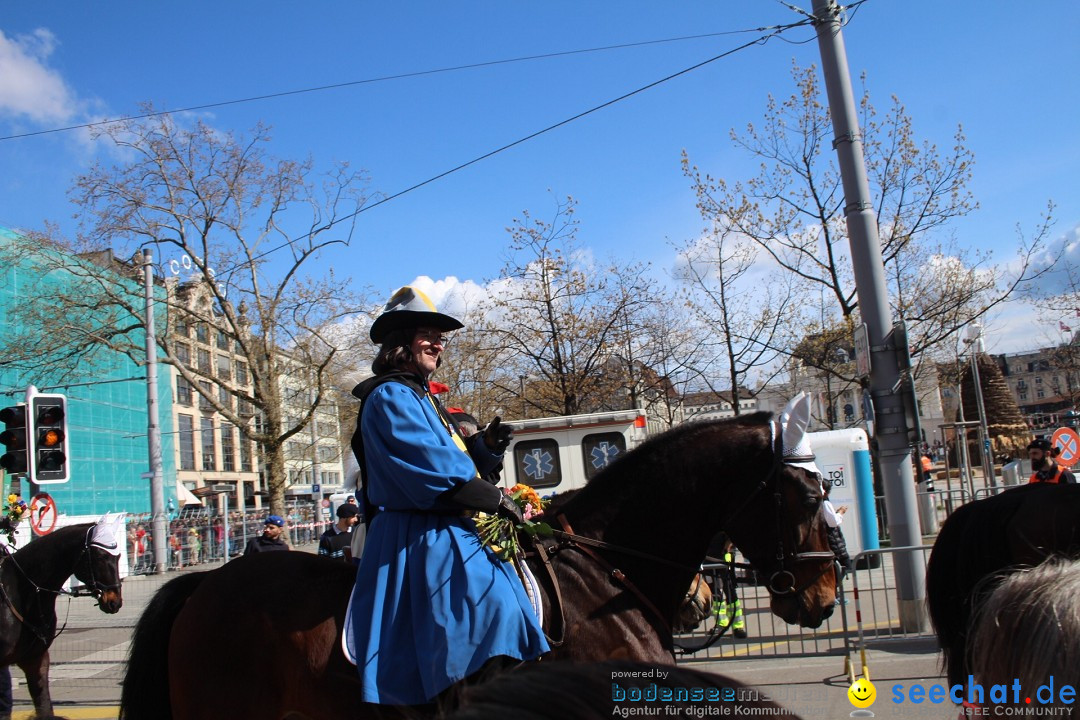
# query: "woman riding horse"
[432,605]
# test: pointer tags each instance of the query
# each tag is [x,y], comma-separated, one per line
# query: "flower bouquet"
[501,533]
[14,512]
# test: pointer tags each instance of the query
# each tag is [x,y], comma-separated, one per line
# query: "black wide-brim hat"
[410,308]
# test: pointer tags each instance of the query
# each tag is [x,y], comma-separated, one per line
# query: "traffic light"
[15,460]
[48,414]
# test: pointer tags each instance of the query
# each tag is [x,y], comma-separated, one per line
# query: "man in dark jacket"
[337,538]
[271,537]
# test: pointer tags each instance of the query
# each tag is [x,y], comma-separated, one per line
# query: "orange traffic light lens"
[50,438]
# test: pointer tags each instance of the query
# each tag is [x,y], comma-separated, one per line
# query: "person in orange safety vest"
[1043,467]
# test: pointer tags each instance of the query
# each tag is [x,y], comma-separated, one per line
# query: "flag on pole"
[1064,327]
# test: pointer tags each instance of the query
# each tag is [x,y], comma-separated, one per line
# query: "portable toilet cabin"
[844,457]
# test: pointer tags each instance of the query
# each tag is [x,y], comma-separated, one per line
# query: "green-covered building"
[106,400]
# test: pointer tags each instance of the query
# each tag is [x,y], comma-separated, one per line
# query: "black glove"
[497,436]
[473,495]
[509,509]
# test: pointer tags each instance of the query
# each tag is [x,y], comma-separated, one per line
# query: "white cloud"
[28,87]
[452,296]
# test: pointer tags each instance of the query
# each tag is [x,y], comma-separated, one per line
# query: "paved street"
[88,665]
[814,687]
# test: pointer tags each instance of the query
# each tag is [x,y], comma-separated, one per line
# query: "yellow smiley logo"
[862,693]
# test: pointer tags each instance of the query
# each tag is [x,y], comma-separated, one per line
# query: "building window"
[204,397]
[222,340]
[204,361]
[1038,381]
[202,333]
[1039,393]
[224,397]
[228,451]
[245,454]
[183,392]
[187,442]
[183,329]
[294,451]
[208,461]
[224,368]
[244,407]
[183,355]
[1023,396]
[327,453]
[241,373]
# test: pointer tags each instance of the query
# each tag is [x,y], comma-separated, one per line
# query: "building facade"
[210,449]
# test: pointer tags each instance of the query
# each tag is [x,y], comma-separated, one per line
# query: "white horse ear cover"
[107,533]
[794,420]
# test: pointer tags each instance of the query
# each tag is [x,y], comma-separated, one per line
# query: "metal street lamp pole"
[224,490]
[153,429]
[891,424]
[975,335]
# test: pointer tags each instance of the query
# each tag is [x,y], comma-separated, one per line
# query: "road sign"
[43,514]
[862,350]
[1068,442]
[325,503]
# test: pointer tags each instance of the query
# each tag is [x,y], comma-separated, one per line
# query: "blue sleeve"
[484,459]
[411,457]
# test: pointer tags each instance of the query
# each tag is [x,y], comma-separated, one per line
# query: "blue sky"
[1007,73]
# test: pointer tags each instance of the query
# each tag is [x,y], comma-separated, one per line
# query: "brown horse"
[983,541]
[30,581]
[262,634]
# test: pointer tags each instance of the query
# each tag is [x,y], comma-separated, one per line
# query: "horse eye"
[812,503]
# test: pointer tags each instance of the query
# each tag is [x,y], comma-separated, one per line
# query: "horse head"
[99,565]
[794,553]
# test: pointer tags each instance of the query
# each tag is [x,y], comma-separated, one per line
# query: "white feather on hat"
[794,420]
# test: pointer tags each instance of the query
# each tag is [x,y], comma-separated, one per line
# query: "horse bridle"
[95,588]
[782,580]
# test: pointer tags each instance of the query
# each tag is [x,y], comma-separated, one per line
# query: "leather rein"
[781,582]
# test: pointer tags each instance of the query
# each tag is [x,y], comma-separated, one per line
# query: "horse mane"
[642,480]
[970,553]
[42,548]
[636,472]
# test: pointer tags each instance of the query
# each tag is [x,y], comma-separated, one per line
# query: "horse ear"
[794,419]
[107,532]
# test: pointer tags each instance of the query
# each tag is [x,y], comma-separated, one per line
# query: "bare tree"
[746,316]
[794,208]
[219,205]
[555,315]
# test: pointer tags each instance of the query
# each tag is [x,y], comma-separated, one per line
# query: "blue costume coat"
[430,605]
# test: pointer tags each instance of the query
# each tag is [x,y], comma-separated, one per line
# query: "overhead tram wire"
[772,31]
[385,78]
[775,31]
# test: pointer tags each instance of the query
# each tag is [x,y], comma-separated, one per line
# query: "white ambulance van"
[557,454]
